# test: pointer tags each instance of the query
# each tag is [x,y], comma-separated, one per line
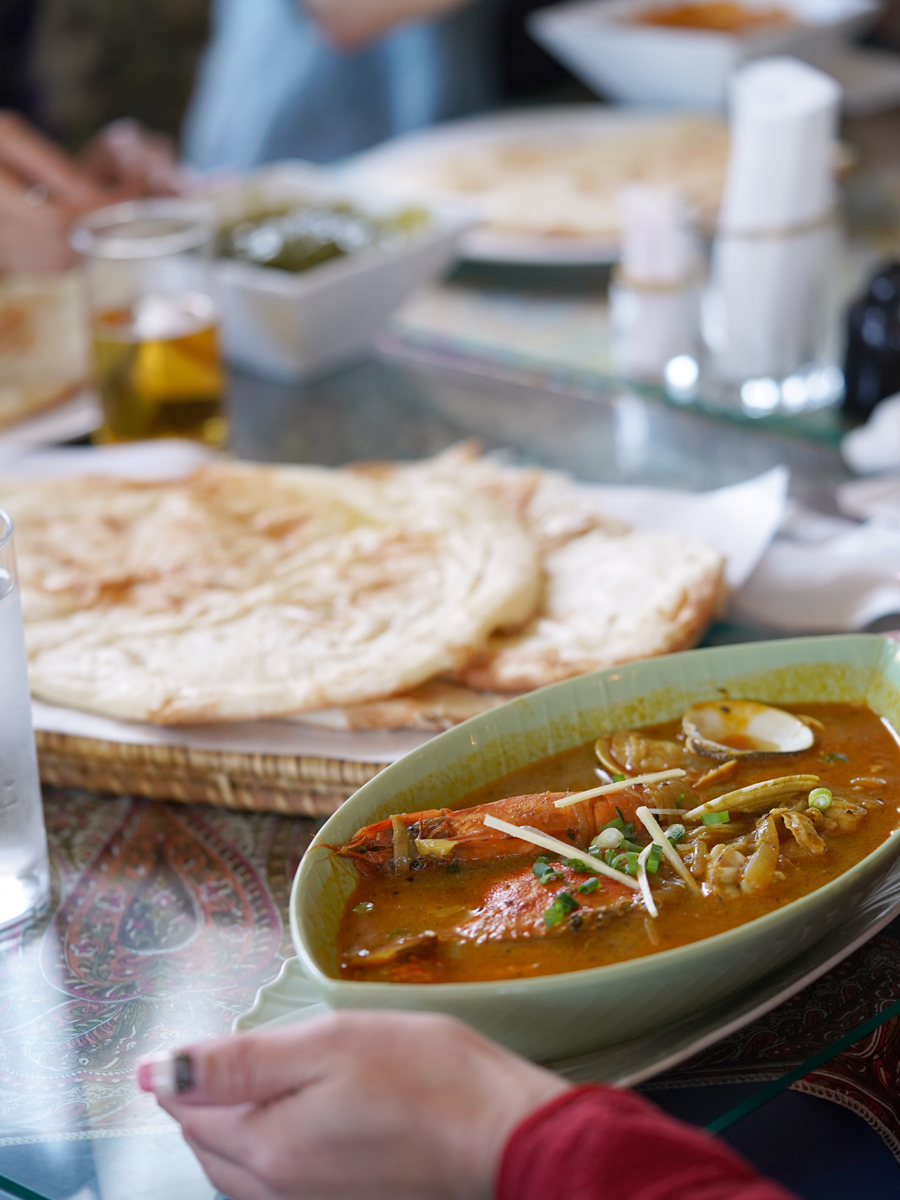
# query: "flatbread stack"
[371,597]
[570,186]
[43,344]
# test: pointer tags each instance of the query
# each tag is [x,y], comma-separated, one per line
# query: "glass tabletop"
[409,404]
[167,918]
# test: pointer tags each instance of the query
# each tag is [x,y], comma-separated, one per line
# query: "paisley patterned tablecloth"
[167,918]
[864,1079]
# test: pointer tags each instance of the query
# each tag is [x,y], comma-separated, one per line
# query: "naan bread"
[433,705]
[43,344]
[569,186]
[608,599]
[610,594]
[245,592]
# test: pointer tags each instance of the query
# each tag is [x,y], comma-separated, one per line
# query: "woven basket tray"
[283,783]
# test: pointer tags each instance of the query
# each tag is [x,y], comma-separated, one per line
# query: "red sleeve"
[595,1143]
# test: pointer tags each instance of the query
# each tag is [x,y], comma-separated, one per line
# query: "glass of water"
[24,872]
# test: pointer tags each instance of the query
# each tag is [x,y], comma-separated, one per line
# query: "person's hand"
[133,161]
[390,1105]
[352,23]
[42,190]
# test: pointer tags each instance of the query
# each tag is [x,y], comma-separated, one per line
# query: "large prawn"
[448,836]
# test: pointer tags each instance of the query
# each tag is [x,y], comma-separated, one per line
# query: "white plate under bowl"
[405,163]
[291,998]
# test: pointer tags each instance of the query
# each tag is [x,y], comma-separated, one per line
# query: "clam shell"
[738,728]
[756,797]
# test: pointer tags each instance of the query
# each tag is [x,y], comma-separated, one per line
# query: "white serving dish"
[290,326]
[683,68]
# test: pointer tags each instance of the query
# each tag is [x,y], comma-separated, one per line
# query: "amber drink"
[154,322]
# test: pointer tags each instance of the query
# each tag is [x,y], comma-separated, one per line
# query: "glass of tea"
[153,320]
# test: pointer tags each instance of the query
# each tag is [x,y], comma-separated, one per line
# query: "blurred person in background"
[70,70]
[43,189]
[331,77]
[74,66]
[314,79]
[278,79]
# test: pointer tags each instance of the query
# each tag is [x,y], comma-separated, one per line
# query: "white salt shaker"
[768,310]
[655,293]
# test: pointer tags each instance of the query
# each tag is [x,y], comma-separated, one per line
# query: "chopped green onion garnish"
[624,827]
[589,885]
[719,818]
[835,758]
[652,863]
[364,906]
[544,871]
[679,800]
[675,833]
[626,863]
[820,798]
[578,865]
[618,779]
[563,904]
[607,838]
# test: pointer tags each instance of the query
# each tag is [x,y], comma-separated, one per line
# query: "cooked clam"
[738,728]
[755,797]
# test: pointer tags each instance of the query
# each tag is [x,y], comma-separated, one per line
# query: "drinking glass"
[771,320]
[153,320]
[24,873]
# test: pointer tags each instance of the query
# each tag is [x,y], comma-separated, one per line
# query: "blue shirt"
[271,87]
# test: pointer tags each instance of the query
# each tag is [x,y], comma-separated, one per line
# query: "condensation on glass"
[24,873]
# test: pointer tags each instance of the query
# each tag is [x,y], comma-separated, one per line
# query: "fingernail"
[166,1074]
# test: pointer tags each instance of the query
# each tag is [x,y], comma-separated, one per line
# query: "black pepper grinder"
[872,365]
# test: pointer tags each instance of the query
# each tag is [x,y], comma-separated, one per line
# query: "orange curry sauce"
[720,16]
[488,916]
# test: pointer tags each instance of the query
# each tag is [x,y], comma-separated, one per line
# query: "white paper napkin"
[783,121]
[740,520]
[770,262]
[824,575]
[831,574]
[875,446]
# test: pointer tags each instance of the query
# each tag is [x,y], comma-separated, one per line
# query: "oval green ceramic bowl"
[555,1016]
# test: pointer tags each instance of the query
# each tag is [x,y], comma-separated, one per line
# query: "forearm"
[598,1143]
[351,23]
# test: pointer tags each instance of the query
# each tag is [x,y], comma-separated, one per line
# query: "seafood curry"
[641,841]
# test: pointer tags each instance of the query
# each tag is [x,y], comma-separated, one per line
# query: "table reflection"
[165,921]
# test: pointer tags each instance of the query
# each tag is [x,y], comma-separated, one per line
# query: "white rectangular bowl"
[290,326]
[669,67]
